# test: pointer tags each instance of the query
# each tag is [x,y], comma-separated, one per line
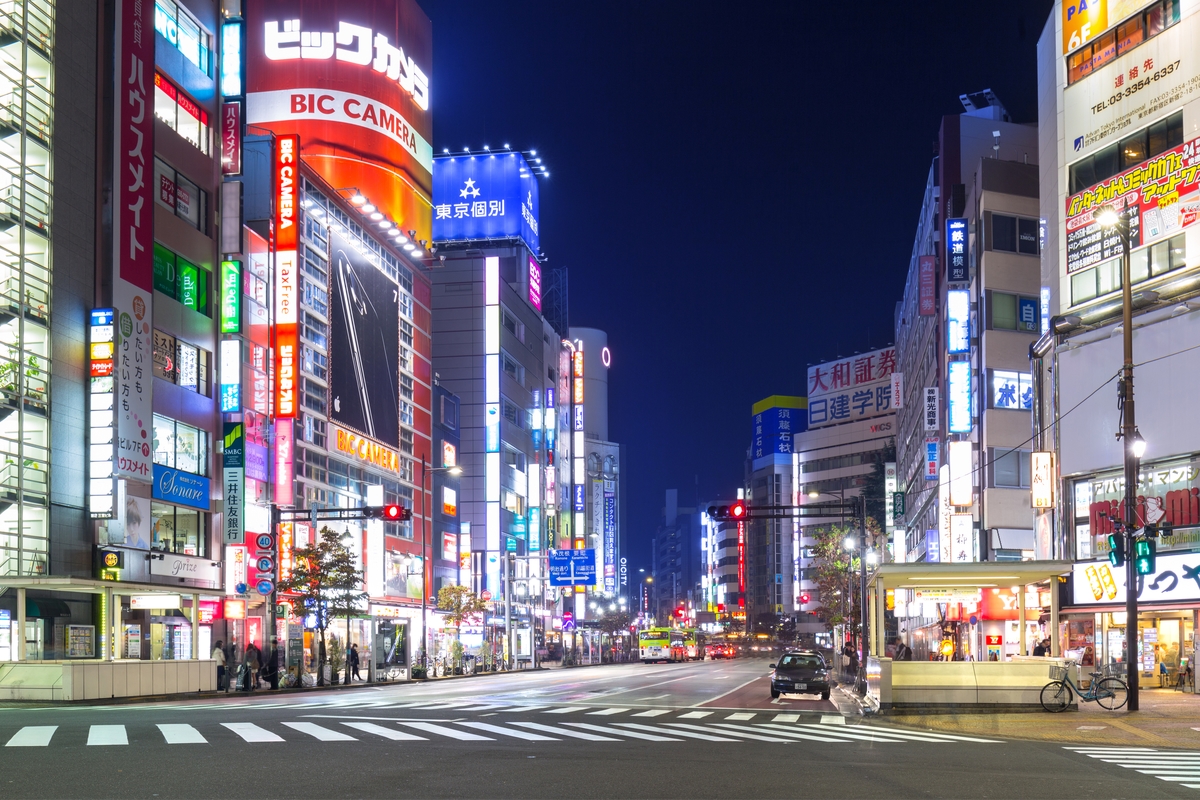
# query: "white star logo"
[470,190]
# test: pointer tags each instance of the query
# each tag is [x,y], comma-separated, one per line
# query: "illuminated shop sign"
[101,423]
[366,450]
[231,296]
[184,488]
[231,139]
[486,197]
[284,442]
[231,59]
[231,375]
[535,286]
[233,460]
[960,457]
[956,250]
[286,280]
[958,321]
[1041,481]
[959,391]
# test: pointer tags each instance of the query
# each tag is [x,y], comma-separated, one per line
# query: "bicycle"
[1107,689]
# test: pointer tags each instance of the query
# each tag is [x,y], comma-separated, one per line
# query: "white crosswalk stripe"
[387,733]
[32,736]
[1173,766]
[649,737]
[786,718]
[607,712]
[563,710]
[442,730]
[735,730]
[591,737]
[741,715]
[251,732]
[689,734]
[695,715]
[320,734]
[502,731]
[181,734]
[107,735]
[658,712]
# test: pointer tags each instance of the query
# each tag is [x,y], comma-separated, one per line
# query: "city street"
[628,730]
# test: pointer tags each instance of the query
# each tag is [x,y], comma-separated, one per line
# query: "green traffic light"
[1144,556]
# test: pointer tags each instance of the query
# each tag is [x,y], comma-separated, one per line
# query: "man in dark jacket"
[270,665]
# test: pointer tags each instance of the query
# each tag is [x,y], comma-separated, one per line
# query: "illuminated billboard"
[485,197]
[365,351]
[352,80]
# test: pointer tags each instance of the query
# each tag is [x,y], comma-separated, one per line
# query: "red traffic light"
[804,599]
[738,510]
[679,611]
[390,513]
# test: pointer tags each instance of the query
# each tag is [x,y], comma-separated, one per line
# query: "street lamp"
[426,473]
[860,506]
[1135,445]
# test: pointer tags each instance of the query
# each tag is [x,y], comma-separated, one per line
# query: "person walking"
[270,665]
[252,664]
[903,651]
[354,662]
[218,655]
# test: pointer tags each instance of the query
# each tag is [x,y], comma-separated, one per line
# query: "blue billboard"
[571,567]
[485,197]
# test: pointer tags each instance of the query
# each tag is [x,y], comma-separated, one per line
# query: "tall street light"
[1134,445]
[426,473]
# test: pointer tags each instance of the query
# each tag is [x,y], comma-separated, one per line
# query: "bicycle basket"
[1058,672]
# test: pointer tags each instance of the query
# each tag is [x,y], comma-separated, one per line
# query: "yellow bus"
[661,644]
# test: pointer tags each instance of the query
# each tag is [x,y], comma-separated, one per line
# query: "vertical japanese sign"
[890,483]
[741,556]
[101,439]
[956,250]
[133,234]
[962,538]
[897,390]
[283,462]
[1042,479]
[610,536]
[231,296]
[944,510]
[932,409]
[959,417]
[231,139]
[927,294]
[234,462]
[932,460]
[287,173]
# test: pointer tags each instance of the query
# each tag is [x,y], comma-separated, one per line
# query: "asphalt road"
[674,730]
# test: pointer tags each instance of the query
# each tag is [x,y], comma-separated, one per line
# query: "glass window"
[1004,311]
[1027,236]
[180,446]
[1130,34]
[184,198]
[184,33]
[1012,390]
[181,113]
[1010,469]
[1108,276]
[1131,151]
[180,363]
[1083,286]
[1004,233]
[1134,150]
[1104,50]
[164,356]
[164,441]
[1139,268]
[177,530]
[1108,162]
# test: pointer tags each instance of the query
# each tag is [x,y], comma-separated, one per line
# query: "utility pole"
[509,558]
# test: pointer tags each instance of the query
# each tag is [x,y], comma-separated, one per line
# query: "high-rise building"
[676,558]
[1117,120]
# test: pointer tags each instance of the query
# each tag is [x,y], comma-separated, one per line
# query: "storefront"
[1095,624]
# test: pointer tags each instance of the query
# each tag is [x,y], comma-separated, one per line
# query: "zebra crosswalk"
[329,728]
[1175,766]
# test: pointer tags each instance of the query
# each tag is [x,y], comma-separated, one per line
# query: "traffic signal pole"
[1128,436]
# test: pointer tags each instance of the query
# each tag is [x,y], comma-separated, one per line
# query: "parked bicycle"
[1106,688]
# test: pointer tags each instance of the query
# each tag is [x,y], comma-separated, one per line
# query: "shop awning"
[982,575]
[46,607]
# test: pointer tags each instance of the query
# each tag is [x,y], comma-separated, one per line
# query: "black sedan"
[800,672]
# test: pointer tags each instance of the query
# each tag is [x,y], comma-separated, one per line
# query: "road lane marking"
[741,716]
[591,737]
[321,734]
[387,733]
[523,708]
[606,712]
[631,734]
[833,719]
[653,713]
[181,734]
[251,732]
[529,737]
[786,718]
[731,691]
[925,735]
[32,736]
[563,710]
[827,738]
[695,715]
[733,730]
[442,730]
[689,734]
[107,735]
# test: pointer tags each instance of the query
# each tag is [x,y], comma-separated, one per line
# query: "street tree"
[326,583]
[460,605]
[614,623]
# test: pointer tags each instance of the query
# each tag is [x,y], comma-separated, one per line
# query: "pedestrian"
[1039,649]
[218,655]
[270,665]
[903,651]
[252,664]
[850,660]
[354,661]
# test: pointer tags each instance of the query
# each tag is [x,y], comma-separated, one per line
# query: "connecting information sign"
[572,567]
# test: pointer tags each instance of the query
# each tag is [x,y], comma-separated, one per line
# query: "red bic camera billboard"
[351,79]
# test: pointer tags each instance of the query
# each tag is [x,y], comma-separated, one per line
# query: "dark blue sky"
[733,186]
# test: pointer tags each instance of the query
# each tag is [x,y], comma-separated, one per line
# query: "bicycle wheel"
[1112,693]
[1056,696]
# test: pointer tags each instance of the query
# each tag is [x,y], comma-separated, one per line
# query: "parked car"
[801,672]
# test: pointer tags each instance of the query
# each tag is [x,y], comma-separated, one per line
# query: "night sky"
[733,187]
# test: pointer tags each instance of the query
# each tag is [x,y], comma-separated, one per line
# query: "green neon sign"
[231,297]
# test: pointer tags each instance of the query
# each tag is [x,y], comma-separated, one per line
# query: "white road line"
[695,715]
[442,730]
[251,732]
[673,732]
[658,712]
[32,736]
[631,734]
[833,719]
[563,710]
[925,735]
[827,738]
[733,730]
[529,737]
[181,734]
[436,706]
[591,737]
[387,733]
[523,708]
[859,732]
[787,718]
[607,712]
[741,716]
[322,734]
[107,735]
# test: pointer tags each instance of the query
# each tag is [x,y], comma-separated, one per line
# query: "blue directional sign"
[572,567]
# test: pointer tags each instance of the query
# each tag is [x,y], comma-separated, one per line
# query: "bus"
[693,644]
[661,644]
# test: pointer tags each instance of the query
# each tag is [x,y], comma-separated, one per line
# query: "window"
[185,199]
[1010,312]
[315,331]
[314,396]
[180,446]
[181,280]
[512,368]
[512,325]
[184,33]
[449,413]
[316,297]
[1128,35]
[315,363]
[1144,263]
[181,113]
[1014,235]
[181,363]
[177,530]
[1010,468]
[1012,390]
[1128,152]
[513,414]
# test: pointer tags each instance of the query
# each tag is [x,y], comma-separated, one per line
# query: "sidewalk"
[1166,719]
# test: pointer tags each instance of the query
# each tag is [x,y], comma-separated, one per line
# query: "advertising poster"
[352,79]
[365,351]
[851,388]
[492,197]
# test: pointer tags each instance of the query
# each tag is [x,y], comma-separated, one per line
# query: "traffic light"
[1144,551]
[736,512]
[804,599]
[391,513]
[679,611]
[1116,549]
